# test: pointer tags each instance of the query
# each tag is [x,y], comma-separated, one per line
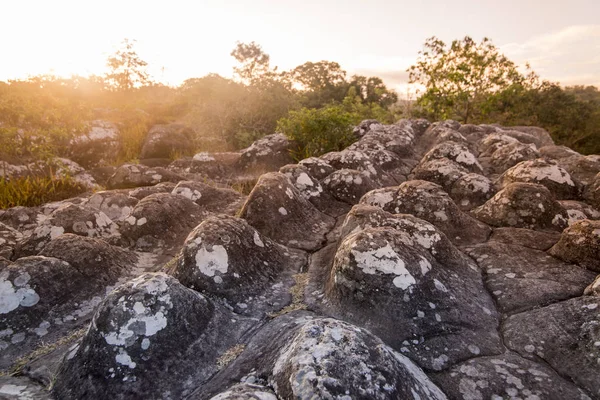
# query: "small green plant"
[33,191]
[319,131]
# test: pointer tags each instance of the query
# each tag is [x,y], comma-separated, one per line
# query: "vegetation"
[32,191]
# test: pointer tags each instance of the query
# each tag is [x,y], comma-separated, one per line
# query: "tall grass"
[33,191]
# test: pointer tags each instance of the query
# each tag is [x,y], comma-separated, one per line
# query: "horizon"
[562,45]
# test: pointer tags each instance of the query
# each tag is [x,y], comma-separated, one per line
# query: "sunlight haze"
[181,39]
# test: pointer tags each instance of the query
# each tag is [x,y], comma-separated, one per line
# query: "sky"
[185,39]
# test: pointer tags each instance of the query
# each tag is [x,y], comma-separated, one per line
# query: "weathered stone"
[511,154]
[8,240]
[21,388]
[398,138]
[317,167]
[428,201]
[578,211]
[201,165]
[99,145]
[246,391]
[365,127]
[538,240]
[226,201]
[442,171]
[160,222]
[506,376]
[546,173]
[459,153]
[592,192]
[554,152]
[132,176]
[116,205]
[521,278]
[564,335]
[143,328]
[529,134]
[471,190]
[359,161]
[580,244]
[68,218]
[165,141]
[594,288]
[523,205]
[226,257]
[277,210]
[348,185]
[145,191]
[439,133]
[385,280]
[267,154]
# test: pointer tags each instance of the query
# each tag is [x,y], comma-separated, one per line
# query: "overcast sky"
[184,39]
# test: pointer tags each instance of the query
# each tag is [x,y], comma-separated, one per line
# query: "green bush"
[319,131]
[33,191]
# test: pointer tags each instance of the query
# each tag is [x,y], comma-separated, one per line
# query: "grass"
[32,191]
[230,355]
[297,292]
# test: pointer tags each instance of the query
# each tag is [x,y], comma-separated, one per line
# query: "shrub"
[319,131]
[33,191]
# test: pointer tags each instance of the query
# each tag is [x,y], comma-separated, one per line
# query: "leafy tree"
[320,83]
[459,79]
[127,69]
[372,90]
[318,131]
[254,62]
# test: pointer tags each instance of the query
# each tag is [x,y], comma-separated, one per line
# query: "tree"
[321,82]
[127,69]
[459,80]
[254,62]
[373,90]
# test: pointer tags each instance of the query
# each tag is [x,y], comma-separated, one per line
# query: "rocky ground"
[425,261]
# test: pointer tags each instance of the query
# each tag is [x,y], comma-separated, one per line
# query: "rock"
[98,146]
[201,165]
[267,154]
[142,329]
[23,219]
[145,191]
[523,205]
[155,162]
[428,201]
[497,377]
[365,127]
[493,142]
[529,134]
[564,335]
[521,278]
[99,262]
[459,153]
[592,193]
[542,172]
[438,133]
[102,174]
[132,176]
[583,168]
[227,258]
[246,391]
[594,288]
[471,190]
[349,363]
[398,138]
[580,244]
[554,152]
[116,205]
[359,161]
[443,172]
[537,240]
[348,185]
[317,167]
[165,141]
[21,388]
[160,222]
[210,198]
[8,240]
[68,218]
[388,281]
[578,210]
[277,210]
[510,155]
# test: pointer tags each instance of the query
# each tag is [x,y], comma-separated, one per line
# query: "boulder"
[165,141]
[471,190]
[578,210]
[510,155]
[348,185]
[116,205]
[246,391]
[459,153]
[441,171]
[582,168]
[554,152]
[317,167]
[506,376]
[564,335]
[9,238]
[267,154]
[580,244]
[398,138]
[142,329]
[210,198]
[201,165]
[523,205]
[592,192]
[545,173]
[428,201]
[521,278]
[278,210]
[160,222]
[365,127]
[438,133]
[431,306]
[538,240]
[68,218]
[132,176]
[225,257]
[359,161]
[99,145]
[529,134]
[145,191]
[594,288]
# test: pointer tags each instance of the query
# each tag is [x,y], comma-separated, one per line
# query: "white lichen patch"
[282,211]
[213,260]
[257,240]
[17,293]
[386,261]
